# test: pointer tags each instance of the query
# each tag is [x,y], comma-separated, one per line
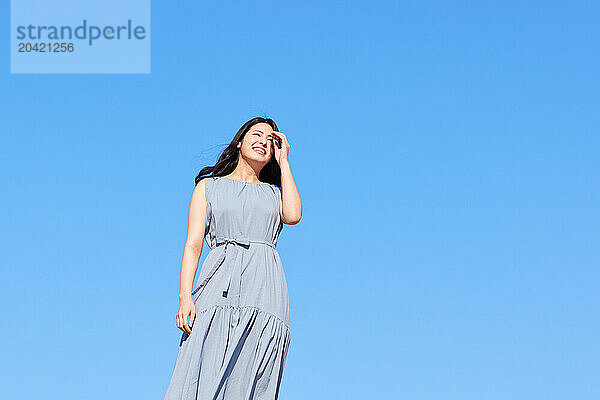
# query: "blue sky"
[447,158]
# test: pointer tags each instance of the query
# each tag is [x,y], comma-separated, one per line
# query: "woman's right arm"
[191,255]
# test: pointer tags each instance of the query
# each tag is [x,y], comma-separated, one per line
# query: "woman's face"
[258,143]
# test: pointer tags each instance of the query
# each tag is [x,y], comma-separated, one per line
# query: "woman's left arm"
[290,207]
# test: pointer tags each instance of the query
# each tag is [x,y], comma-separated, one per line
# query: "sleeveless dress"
[240,337]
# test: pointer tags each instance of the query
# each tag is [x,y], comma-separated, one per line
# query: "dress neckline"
[252,183]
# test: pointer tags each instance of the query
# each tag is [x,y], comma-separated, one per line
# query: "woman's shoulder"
[208,178]
[204,183]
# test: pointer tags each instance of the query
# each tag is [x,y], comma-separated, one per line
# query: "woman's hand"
[186,310]
[281,154]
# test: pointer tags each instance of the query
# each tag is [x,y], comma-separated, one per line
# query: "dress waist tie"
[233,283]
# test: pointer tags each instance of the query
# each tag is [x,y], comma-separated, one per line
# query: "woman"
[235,323]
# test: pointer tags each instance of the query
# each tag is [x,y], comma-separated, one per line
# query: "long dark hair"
[271,173]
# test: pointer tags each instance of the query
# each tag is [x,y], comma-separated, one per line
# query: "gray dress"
[241,335]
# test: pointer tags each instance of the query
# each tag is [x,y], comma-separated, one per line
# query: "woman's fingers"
[279,139]
[182,322]
[192,318]
[282,152]
[186,327]
[182,318]
[179,320]
[282,136]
